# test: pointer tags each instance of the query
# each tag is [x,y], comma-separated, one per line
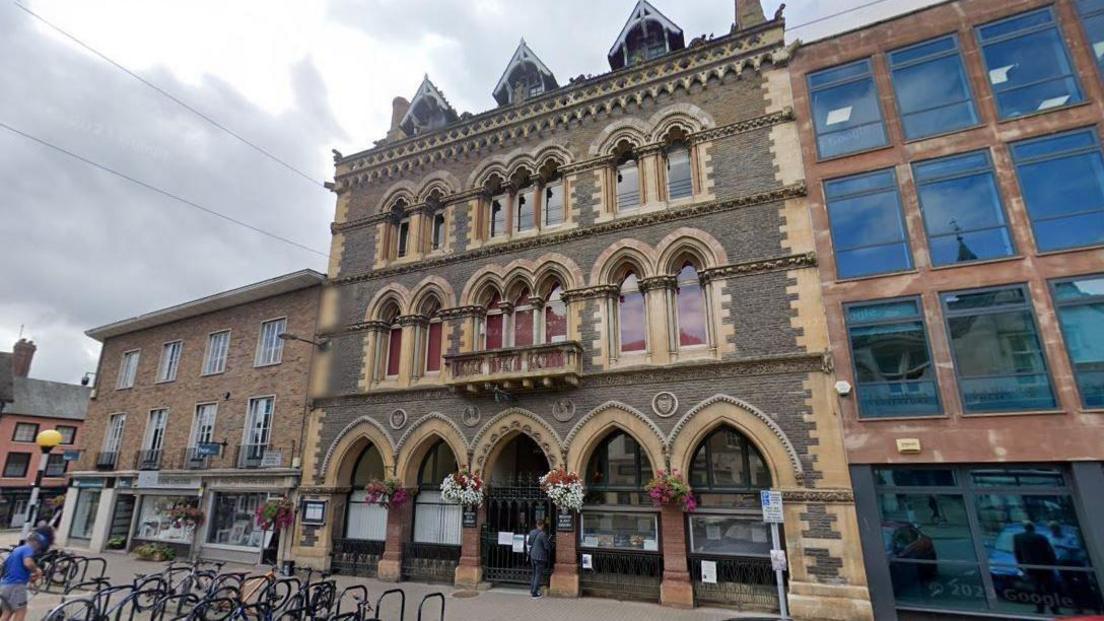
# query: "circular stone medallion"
[664,404]
[471,416]
[563,410]
[397,419]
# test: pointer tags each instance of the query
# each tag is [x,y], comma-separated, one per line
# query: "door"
[513,509]
[19,512]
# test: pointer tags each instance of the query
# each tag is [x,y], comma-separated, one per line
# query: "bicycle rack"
[425,599]
[402,604]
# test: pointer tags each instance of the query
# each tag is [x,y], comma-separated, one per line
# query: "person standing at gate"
[538,557]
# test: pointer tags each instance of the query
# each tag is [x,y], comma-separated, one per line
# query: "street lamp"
[322,344]
[46,441]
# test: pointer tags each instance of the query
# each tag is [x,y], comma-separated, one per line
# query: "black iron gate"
[514,507]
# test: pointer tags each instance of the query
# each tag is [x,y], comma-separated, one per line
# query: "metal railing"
[622,574]
[105,460]
[147,459]
[429,562]
[192,459]
[251,455]
[356,557]
[745,582]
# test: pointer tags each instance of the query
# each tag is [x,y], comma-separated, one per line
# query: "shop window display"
[233,520]
[157,521]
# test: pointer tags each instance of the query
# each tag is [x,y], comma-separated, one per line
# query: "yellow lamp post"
[46,441]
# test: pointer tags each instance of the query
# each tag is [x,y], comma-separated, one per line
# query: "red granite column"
[470,570]
[399,521]
[565,573]
[676,589]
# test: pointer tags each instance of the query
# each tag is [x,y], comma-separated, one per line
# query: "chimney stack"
[749,13]
[22,354]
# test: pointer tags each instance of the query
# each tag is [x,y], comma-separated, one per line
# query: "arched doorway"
[514,504]
[434,551]
[359,539]
[619,527]
[727,473]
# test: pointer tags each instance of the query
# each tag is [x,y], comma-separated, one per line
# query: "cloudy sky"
[80,247]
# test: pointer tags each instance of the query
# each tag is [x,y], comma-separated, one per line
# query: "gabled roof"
[428,93]
[502,91]
[225,299]
[643,11]
[35,397]
[6,394]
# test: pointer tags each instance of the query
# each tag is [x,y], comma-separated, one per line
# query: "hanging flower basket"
[669,488]
[386,493]
[564,488]
[463,488]
[186,515]
[275,513]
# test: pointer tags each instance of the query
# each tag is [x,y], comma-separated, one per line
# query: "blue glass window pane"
[846,114]
[913,477]
[898,309]
[1090,6]
[867,228]
[926,527]
[962,211]
[1084,289]
[940,585]
[1094,30]
[1063,189]
[1028,67]
[933,95]
[1021,476]
[1083,330]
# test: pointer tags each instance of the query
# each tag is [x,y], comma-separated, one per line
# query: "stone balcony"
[551,365]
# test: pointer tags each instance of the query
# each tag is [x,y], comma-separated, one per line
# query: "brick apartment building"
[955,172]
[28,406]
[200,404]
[616,274]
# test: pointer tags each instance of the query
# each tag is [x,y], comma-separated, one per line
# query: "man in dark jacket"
[538,557]
[1032,548]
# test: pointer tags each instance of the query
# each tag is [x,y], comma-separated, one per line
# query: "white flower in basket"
[463,488]
[565,489]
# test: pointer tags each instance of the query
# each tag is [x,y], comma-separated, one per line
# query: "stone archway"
[498,431]
[600,422]
[419,439]
[340,458]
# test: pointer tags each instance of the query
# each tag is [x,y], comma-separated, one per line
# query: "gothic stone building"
[616,276]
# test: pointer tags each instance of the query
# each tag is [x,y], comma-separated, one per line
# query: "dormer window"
[647,34]
[525,76]
[428,111]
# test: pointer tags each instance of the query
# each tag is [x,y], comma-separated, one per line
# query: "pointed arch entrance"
[359,537]
[515,503]
[433,552]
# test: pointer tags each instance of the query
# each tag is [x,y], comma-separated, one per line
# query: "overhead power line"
[832,15]
[172,97]
[160,191]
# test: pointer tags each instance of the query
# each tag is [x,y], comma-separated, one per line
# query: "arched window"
[628,184]
[493,324]
[497,221]
[615,478]
[631,317]
[364,520]
[727,474]
[525,202]
[555,316]
[392,357]
[680,180]
[436,521]
[553,202]
[690,308]
[523,319]
[434,333]
[400,230]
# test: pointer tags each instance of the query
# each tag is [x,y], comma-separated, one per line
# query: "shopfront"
[88,494]
[230,531]
[982,540]
[619,529]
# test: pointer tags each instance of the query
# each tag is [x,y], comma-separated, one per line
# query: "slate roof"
[35,397]
[6,394]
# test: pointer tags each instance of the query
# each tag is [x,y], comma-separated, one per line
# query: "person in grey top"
[539,548]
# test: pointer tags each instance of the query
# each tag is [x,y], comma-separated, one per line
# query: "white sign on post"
[778,560]
[709,572]
[771,501]
[588,561]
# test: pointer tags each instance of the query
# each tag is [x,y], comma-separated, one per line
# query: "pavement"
[496,604]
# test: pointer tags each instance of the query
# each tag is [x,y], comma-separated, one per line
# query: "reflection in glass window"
[498,216]
[962,209]
[679,178]
[933,94]
[1028,67]
[894,375]
[234,522]
[629,531]
[1062,179]
[523,320]
[1080,305]
[553,204]
[526,199]
[846,113]
[1020,533]
[628,186]
[631,316]
[742,535]
[1092,18]
[494,322]
[726,460]
[690,303]
[868,230]
[555,317]
[618,463]
[438,238]
[998,357]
